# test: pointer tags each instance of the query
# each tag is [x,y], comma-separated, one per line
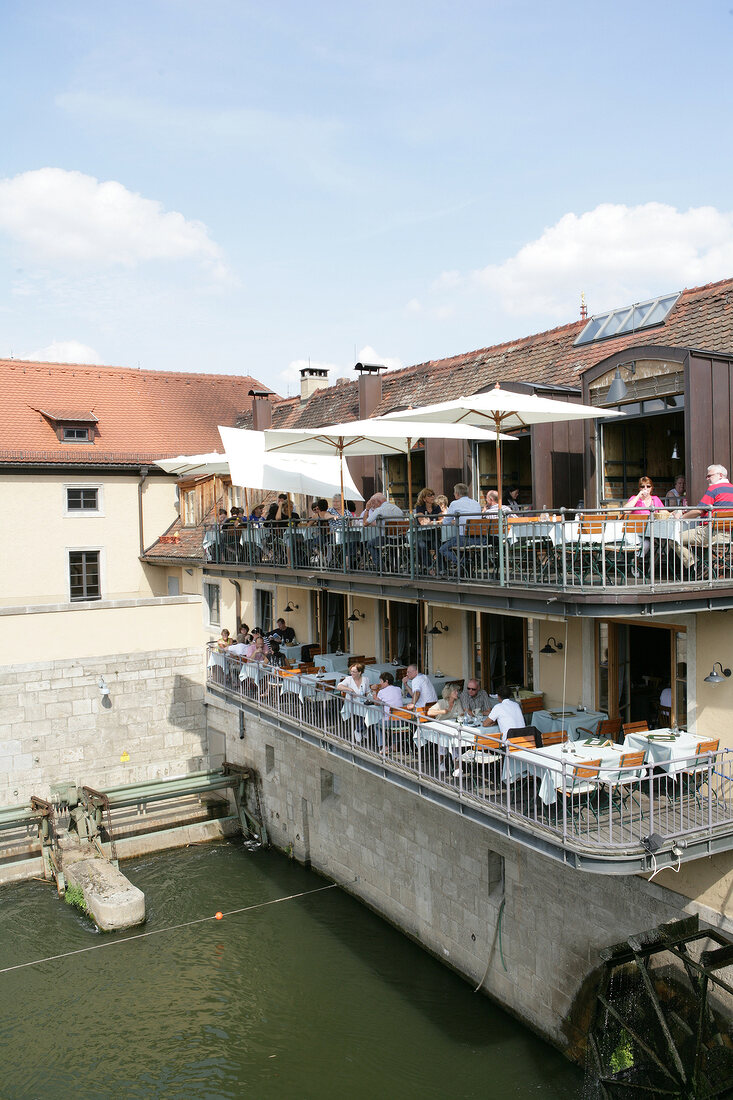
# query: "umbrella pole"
[343,502]
[246,502]
[409,475]
[497,423]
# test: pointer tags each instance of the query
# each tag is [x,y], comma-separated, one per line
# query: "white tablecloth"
[332,662]
[544,721]
[307,685]
[251,670]
[452,735]
[672,757]
[546,765]
[354,706]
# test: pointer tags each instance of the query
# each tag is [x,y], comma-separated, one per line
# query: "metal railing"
[580,796]
[571,551]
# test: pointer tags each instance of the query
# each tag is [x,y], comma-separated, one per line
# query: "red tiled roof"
[701,318]
[141,415]
[68,415]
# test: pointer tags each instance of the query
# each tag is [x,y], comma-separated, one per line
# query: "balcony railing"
[588,552]
[572,794]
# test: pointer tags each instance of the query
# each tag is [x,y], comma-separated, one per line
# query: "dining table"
[309,685]
[568,719]
[669,750]
[332,662]
[549,765]
[452,734]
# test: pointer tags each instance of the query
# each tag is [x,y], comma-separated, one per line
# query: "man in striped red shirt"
[719,494]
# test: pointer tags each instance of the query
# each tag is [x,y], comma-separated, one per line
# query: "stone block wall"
[442,879]
[56,725]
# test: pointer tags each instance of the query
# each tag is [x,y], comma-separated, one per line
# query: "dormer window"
[72,425]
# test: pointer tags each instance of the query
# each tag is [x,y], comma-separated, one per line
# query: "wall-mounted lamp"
[617,389]
[438,627]
[717,677]
[190,572]
[551,645]
[356,616]
[103,689]
[290,607]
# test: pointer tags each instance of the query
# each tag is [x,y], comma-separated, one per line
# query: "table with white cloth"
[547,765]
[291,652]
[439,682]
[308,685]
[217,658]
[251,670]
[375,671]
[672,757]
[569,719]
[452,735]
[356,706]
[669,530]
[332,662]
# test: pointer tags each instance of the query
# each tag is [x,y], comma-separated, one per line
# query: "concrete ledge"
[88,605]
[110,898]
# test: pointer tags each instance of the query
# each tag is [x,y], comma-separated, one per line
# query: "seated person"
[507,714]
[511,499]
[474,699]
[492,504]
[676,497]
[426,509]
[442,501]
[282,633]
[356,683]
[276,658]
[224,640]
[258,650]
[719,494]
[383,510]
[643,501]
[240,647]
[257,517]
[418,687]
[449,706]
[387,692]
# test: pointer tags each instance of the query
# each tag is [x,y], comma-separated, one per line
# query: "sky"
[235,187]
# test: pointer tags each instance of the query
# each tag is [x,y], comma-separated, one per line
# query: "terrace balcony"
[592,563]
[577,803]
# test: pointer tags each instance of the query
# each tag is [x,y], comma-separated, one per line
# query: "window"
[213,604]
[263,608]
[82,500]
[76,435]
[628,319]
[84,578]
[189,507]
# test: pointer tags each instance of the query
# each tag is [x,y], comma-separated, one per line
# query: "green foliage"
[75,896]
[623,1055]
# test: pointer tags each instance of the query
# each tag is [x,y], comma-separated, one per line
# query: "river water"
[314,997]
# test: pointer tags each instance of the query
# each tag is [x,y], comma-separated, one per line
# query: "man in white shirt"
[240,647]
[507,714]
[457,515]
[419,688]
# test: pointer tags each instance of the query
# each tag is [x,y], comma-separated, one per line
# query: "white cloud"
[616,254]
[66,351]
[290,377]
[63,218]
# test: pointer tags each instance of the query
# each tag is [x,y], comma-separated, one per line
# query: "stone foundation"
[56,725]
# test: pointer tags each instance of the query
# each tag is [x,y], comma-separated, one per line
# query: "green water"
[315,997]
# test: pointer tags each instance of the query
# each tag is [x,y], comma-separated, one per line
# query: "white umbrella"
[375,436]
[251,466]
[183,465]
[501,409]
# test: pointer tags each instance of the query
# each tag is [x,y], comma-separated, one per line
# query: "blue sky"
[235,187]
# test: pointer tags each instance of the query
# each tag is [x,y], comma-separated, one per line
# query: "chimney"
[370,387]
[312,379]
[583,307]
[261,409]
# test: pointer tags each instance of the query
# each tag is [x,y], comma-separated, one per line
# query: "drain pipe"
[140,484]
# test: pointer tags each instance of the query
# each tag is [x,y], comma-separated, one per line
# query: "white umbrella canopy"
[252,466]
[374,436]
[502,409]
[183,465]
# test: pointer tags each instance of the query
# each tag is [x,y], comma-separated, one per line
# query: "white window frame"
[205,602]
[189,516]
[274,614]
[88,512]
[102,572]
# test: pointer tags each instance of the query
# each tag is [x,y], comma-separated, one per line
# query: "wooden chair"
[664,717]
[520,741]
[608,728]
[370,660]
[694,778]
[531,704]
[722,536]
[479,546]
[544,740]
[630,776]
[635,727]
[583,784]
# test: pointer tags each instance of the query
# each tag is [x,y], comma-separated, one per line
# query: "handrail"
[579,551]
[613,811]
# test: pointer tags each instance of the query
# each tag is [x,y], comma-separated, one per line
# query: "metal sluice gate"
[86,814]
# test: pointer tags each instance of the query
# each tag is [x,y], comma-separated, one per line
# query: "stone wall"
[442,879]
[56,725]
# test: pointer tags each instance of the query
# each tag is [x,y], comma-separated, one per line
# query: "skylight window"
[628,319]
